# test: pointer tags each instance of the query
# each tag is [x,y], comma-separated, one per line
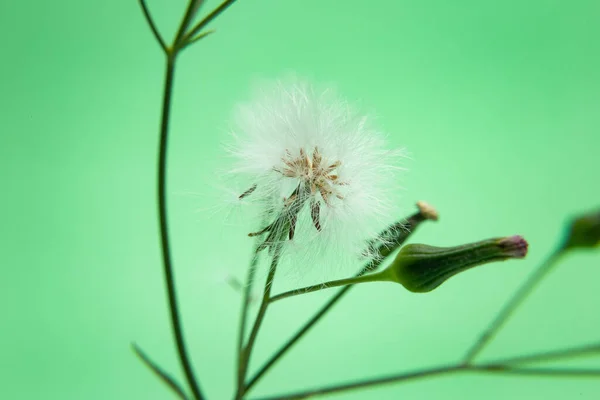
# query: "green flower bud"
[421,268]
[584,232]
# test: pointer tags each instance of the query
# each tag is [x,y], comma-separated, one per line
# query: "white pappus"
[318,173]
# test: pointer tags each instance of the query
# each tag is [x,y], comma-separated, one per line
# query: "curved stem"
[376,277]
[171,54]
[510,307]
[164,234]
[246,352]
[153,27]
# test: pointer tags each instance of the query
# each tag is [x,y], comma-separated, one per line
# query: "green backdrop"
[497,102]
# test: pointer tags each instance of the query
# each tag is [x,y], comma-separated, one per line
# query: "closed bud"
[421,268]
[584,232]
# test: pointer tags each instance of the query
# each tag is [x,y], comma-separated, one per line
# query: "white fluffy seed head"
[307,150]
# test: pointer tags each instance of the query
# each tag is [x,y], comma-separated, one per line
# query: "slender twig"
[301,332]
[513,303]
[404,230]
[247,349]
[375,277]
[164,233]
[371,382]
[150,21]
[206,20]
[165,377]
[171,55]
[199,37]
[438,371]
[570,352]
[551,372]
[245,304]
[162,209]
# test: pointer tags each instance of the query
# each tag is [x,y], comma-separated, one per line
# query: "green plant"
[419,268]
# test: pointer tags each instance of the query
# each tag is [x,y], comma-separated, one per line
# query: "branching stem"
[374,277]
[152,26]
[171,56]
[404,229]
[438,371]
[164,233]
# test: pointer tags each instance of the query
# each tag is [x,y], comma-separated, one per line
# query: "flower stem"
[552,355]
[246,351]
[164,234]
[171,54]
[550,372]
[152,26]
[442,370]
[375,277]
[372,382]
[513,303]
[408,227]
[245,304]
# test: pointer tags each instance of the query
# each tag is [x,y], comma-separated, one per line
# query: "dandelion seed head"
[316,168]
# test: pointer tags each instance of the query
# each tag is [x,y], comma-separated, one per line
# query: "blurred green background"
[497,102]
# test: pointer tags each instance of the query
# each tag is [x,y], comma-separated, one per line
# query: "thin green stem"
[375,277]
[164,233]
[570,352]
[206,20]
[439,371]
[371,382]
[160,373]
[171,55]
[245,304]
[549,372]
[246,352]
[515,301]
[404,230]
[153,27]
[299,334]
